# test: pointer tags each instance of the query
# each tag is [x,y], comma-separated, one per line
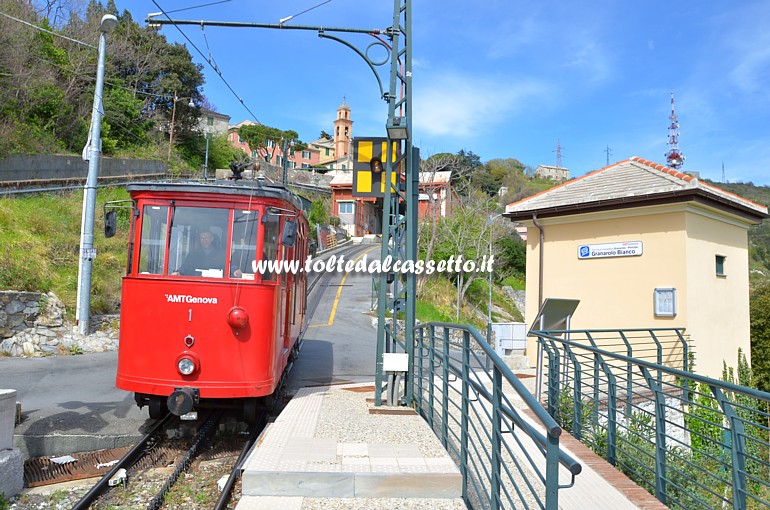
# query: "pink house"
[306,158]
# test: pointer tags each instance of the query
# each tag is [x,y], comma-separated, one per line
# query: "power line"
[217,71]
[47,31]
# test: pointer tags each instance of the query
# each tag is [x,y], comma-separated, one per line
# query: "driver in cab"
[204,257]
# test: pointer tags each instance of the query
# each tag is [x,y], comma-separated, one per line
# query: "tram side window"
[271,227]
[243,251]
[198,240]
[152,252]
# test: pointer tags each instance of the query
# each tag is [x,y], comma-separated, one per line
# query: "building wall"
[679,246]
[718,308]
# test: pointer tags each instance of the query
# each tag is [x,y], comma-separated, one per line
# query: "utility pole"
[87,250]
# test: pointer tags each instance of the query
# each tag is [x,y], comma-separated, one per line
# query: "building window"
[720,265]
[210,121]
[253,154]
[305,165]
[279,160]
[240,139]
[305,154]
[347,207]
[327,151]
[269,144]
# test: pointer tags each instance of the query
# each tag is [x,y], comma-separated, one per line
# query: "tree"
[221,153]
[428,227]
[760,335]
[468,164]
[467,234]
[318,215]
[511,258]
[267,140]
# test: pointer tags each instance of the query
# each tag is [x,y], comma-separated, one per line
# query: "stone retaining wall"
[33,324]
[41,167]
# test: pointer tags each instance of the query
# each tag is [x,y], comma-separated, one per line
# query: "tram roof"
[242,187]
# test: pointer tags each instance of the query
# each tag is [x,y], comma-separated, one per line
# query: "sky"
[507,79]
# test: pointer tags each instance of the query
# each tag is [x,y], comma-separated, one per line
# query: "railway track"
[156,452]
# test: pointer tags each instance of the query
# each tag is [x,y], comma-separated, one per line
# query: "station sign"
[600,251]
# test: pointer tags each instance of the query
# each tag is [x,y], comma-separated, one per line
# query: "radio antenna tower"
[674,156]
[558,153]
[608,152]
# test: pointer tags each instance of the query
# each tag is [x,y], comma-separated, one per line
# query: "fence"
[692,441]
[464,391]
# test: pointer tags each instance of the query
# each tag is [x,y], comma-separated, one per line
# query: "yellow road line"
[339,293]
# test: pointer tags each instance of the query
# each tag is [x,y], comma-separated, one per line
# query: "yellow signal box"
[369,156]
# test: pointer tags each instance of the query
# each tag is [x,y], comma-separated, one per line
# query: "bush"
[760,336]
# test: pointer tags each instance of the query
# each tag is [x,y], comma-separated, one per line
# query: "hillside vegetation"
[39,248]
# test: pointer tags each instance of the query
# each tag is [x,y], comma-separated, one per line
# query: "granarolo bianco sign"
[599,251]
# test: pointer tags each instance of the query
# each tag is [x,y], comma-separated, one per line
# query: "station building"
[644,246]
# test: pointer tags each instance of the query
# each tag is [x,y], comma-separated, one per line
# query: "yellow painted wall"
[679,245]
[719,316]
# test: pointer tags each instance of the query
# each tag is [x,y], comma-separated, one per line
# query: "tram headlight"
[186,366]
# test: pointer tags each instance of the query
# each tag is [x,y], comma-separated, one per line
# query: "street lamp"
[87,251]
[490,220]
[398,128]
[191,104]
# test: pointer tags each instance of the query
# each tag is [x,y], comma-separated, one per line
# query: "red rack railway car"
[200,325]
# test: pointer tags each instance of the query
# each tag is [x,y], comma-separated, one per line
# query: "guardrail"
[465,392]
[692,441]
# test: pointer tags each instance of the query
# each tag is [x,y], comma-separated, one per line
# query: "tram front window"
[196,245]
[243,251]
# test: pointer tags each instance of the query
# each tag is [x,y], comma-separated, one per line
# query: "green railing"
[475,405]
[692,441]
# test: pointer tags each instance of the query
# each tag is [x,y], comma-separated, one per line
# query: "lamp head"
[108,23]
[398,128]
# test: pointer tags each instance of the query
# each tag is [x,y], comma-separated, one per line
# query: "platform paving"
[327,443]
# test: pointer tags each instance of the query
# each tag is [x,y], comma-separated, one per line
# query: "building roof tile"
[628,183]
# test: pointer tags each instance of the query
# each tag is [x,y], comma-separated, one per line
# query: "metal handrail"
[691,440]
[458,388]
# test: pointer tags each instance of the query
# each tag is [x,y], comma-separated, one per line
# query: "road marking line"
[339,293]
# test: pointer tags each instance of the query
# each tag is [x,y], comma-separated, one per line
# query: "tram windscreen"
[198,240]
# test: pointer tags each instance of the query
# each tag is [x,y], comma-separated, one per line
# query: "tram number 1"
[189,315]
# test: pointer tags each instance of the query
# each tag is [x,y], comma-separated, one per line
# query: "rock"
[14,307]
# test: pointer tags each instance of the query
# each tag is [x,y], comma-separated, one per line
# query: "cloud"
[515,38]
[746,47]
[466,106]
